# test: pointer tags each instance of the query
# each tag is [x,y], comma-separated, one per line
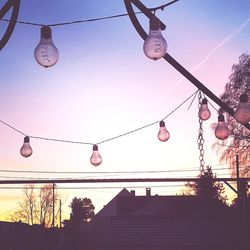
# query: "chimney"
[148,191]
[132,192]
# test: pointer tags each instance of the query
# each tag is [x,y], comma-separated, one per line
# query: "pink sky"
[103,86]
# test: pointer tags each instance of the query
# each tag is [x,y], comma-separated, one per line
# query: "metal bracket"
[171,60]
[229,185]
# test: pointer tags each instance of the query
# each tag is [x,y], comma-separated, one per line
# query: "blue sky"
[103,85]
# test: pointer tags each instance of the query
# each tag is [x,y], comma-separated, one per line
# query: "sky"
[104,86]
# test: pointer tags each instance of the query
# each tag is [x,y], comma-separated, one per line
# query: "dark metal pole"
[120,180]
[5,8]
[171,60]
[16,5]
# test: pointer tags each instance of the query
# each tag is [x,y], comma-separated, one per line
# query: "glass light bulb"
[221,131]
[46,53]
[155,46]
[95,158]
[242,113]
[204,112]
[163,134]
[26,149]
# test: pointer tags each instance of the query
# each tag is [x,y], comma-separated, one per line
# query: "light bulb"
[242,113]
[163,134]
[155,46]
[26,149]
[95,158]
[221,130]
[204,112]
[46,53]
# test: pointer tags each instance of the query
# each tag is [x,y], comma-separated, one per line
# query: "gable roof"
[110,209]
[160,222]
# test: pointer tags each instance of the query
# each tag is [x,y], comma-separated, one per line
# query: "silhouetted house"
[130,222]
[8,240]
[21,236]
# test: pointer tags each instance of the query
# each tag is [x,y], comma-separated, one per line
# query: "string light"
[155,46]
[204,112]
[46,53]
[95,158]
[221,130]
[158,51]
[163,134]
[26,150]
[242,113]
[98,159]
[161,7]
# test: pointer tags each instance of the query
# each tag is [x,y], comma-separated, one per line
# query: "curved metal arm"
[15,4]
[134,20]
[171,60]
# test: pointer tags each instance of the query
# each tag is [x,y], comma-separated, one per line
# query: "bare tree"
[239,141]
[36,206]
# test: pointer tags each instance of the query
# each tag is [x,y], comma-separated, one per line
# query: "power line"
[107,172]
[93,188]
[44,179]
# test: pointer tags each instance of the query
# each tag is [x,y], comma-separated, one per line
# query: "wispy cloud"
[224,41]
[221,44]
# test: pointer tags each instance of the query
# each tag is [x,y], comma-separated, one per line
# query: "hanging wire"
[11,127]
[200,139]
[161,7]
[192,100]
[60,140]
[179,105]
[106,140]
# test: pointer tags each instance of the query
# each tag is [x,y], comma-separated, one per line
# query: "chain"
[200,139]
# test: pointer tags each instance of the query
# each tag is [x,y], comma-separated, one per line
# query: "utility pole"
[238,175]
[53,208]
[60,212]
[242,197]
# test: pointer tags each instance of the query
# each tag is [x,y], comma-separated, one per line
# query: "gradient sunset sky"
[103,86]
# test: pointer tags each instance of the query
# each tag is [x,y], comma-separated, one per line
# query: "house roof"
[169,206]
[147,222]
[166,231]
[110,209]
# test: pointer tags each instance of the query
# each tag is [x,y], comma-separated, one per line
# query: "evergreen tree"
[206,187]
[82,209]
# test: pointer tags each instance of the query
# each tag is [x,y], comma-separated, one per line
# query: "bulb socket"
[162,124]
[95,148]
[26,139]
[204,101]
[46,32]
[221,118]
[154,23]
[244,98]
